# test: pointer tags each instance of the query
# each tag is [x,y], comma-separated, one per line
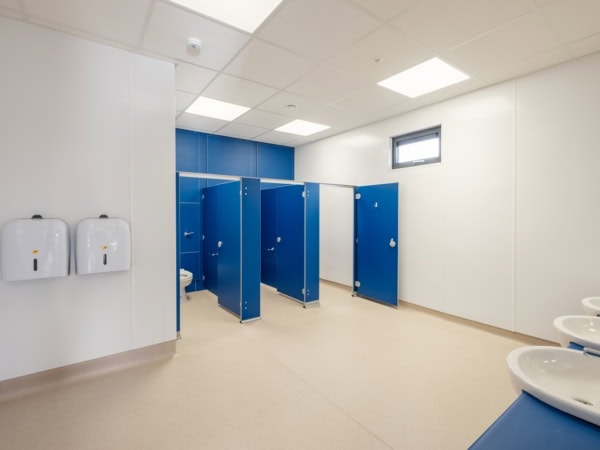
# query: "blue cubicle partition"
[376,243]
[231,213]
[290,240]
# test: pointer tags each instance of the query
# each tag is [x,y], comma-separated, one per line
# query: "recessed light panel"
[209,107]
[302,128]
[243,14]
[424,78]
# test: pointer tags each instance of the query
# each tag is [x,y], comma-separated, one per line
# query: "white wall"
[336,238]
[86,129]
[502,231]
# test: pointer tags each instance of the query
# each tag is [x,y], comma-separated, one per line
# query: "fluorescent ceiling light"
[302,127]
[243,14]
[209,107]
[424,78]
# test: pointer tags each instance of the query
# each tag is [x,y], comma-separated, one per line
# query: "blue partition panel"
[229,246]
[211,238]
[268,228]
[230,156]
[376,248]
[190,151]
[251,215]
[290,241]
[178,264]
[275,161]
[312,242]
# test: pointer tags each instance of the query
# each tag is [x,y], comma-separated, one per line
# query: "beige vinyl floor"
[349,374]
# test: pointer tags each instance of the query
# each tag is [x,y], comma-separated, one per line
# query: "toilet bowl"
[185,279]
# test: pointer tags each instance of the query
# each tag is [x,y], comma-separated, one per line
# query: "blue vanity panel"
[190,151]
[531,424]
[275,161]
[230,156]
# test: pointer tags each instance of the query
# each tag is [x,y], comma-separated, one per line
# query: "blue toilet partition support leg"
[311,262]
[251,249]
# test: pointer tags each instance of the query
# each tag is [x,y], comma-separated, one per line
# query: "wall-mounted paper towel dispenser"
[102,245]
[34,248]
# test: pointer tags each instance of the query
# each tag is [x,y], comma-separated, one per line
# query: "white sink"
[563,378]
[581,330]
[591,305]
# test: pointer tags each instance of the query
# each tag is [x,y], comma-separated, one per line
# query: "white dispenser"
[102,245]
[34,248]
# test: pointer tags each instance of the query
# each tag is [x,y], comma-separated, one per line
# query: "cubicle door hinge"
[303,291]
[357,196]
[303,194]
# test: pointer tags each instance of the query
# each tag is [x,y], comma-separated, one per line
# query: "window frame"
[434,132]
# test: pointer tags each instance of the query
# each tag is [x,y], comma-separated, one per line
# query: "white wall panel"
[66,149]
[558,185]
[455,218]
[337,233]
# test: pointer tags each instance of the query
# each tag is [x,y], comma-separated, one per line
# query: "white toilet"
[185,279]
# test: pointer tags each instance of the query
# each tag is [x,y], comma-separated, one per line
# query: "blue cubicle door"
[268,234]
[290,241]
[250,249]
[312,242]
[210,239]
[229,246]
[376,243]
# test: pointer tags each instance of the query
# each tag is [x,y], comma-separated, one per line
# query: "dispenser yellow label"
[35,252]
[105,247]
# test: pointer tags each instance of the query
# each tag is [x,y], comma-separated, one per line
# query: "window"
[417,148]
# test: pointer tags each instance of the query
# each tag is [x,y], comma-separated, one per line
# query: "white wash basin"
[563,378]
[581,330]
[591,306]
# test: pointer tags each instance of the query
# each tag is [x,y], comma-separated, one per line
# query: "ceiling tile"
[585,46]
[10,8]
[115,20]
[199,123]
[371,99]
[574,20]
[486,57]
[394,50]
[268,64]
[326,84]
[262,119]
[317,28]
[385,9]
[276,137]
[278,104]
[190,78]
[183,100]
[440,24]
[242,131]
[170,27]
[334,116]
[236,90]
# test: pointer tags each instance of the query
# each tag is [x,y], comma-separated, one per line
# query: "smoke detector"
[194,44]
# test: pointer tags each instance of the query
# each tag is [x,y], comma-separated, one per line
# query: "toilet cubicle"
[229,217]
